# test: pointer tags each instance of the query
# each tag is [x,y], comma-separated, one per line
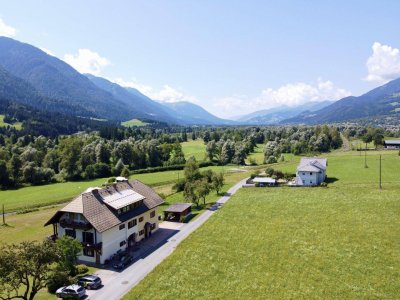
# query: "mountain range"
[32,77]
[279,114]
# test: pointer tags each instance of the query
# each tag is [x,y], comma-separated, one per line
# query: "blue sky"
[231,57]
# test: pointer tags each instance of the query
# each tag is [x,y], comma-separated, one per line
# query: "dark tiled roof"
[178,207]
[101,216]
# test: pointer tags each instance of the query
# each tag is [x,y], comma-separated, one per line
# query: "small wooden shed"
[178,212]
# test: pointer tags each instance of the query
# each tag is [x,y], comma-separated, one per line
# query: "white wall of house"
[113,237]
[310,178]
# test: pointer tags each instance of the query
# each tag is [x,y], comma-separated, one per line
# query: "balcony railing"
[92,246]
[75,225]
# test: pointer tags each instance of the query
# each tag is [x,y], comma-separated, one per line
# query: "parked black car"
[90,282]
[71,292]
[123,261]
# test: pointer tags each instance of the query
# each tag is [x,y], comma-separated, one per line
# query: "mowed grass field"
[339,242]
[29,226]
[37,196]
[195,148]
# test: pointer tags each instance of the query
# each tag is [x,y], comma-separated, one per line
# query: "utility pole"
[365,159]
[380,171]
[4,216]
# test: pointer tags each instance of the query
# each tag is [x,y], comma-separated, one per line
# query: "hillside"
[381,101]
[145,107]
[55,79]
[278,114]
[194,114]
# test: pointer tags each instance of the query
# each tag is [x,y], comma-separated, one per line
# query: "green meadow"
[43,195]
[133,122]
[339,242]
[195,148]
[17,125]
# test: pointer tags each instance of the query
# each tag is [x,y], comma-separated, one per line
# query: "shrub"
[179,186]
[82,269]
[58,279]
[324,184]
[111,180]
[278,174]
[269,171]
[252,161]
[271,160]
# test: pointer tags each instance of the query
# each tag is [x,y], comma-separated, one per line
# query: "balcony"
[92,246]
[65,223]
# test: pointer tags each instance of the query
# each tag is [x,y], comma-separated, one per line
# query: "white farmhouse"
[109,219]
[311,171]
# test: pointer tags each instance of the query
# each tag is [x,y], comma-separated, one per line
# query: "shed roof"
[264,180]
[178,207]
[393,142]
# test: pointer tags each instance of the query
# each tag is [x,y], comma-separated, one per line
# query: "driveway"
[152,252]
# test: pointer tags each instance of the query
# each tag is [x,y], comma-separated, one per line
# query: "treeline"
[233,145]
[49,124]
[39,160]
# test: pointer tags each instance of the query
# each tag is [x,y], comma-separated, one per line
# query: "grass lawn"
[16,125]
[340,242]
[36,196]
[133,122]
[194,148]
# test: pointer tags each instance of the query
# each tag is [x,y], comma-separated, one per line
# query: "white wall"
[311,178]
[112,238]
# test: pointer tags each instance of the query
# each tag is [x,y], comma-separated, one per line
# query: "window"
[119,211]
[141,232]
[304,173]
[122,226]
[124,209]
[140,219]
[132,223]
[122,243]
[88,252]
[153,214]
[310,181]
[310,173]
[70,232]
[87,237]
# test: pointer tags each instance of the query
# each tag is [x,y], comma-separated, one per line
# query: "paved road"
[118,284]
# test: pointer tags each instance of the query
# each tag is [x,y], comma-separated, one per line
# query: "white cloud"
[6,30]
[87,61]
[384,63]
[164,94]
[292,94]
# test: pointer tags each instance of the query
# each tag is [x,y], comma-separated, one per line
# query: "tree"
[102,153]
[203,189]
[191,170]
[125,172]
[190,193]
[211,149]
[218,182]
[69,248]
[206,137]
[119,167]
[25,268]
[15,168]
[4,176]
[70,149]
[227,152]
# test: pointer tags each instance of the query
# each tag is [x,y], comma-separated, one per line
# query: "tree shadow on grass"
[7,225]
[331,180]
